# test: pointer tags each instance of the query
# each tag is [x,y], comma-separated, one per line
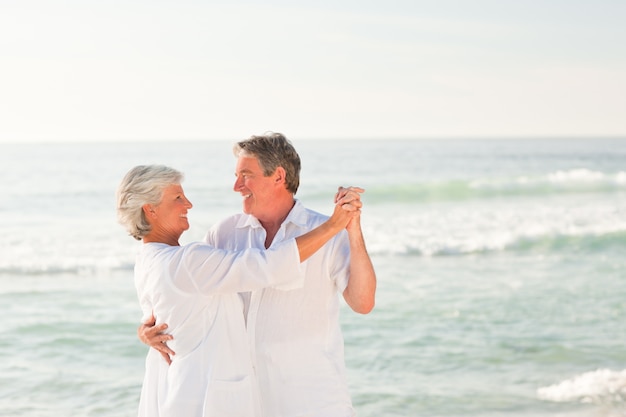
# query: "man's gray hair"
[273,150]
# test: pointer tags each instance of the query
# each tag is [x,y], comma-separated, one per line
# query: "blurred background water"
[500,262]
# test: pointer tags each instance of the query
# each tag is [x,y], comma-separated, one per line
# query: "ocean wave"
[54,267]
[554,183]
[436,246]
[603,387]
[379,245]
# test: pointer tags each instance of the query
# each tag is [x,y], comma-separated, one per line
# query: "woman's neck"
[156,237]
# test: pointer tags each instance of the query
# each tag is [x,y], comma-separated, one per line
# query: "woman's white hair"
[144,184]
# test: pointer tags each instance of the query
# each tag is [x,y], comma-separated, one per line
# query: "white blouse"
[193,288]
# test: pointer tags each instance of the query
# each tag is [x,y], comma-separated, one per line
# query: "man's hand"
[354,195]
[354,192]
[154,337]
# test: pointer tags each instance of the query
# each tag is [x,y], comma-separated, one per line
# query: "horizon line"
[39,141]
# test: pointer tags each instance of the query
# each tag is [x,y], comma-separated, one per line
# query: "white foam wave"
[56,249]
[602,386]
[66,265]
[512,225]
[582,178]
[578,175]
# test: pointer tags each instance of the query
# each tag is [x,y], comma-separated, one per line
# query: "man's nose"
[238,184]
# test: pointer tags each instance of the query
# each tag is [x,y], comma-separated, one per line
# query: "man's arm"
[154,337]
[360,293]
[361,290]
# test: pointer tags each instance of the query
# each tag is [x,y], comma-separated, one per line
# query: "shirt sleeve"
[207,270]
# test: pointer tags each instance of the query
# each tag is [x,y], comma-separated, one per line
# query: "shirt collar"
[297,216]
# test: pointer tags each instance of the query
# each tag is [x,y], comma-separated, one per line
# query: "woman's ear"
[148,211]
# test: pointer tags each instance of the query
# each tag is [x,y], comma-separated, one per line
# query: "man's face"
[255,188]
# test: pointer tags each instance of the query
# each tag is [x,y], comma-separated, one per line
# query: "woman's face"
[171,213]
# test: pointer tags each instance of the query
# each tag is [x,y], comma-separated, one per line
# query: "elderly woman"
[194,289]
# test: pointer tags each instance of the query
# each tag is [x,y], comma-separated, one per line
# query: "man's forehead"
[248,163]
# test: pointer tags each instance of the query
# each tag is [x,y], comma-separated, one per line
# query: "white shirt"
[193,289]
[295,335]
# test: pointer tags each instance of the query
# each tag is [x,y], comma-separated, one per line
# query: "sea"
[501,269]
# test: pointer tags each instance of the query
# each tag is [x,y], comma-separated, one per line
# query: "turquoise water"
[501,273]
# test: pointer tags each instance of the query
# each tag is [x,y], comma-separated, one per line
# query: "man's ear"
[280,175]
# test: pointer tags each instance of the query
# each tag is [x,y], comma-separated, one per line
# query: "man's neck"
[272,223]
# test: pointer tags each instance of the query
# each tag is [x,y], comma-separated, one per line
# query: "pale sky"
[87,70]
